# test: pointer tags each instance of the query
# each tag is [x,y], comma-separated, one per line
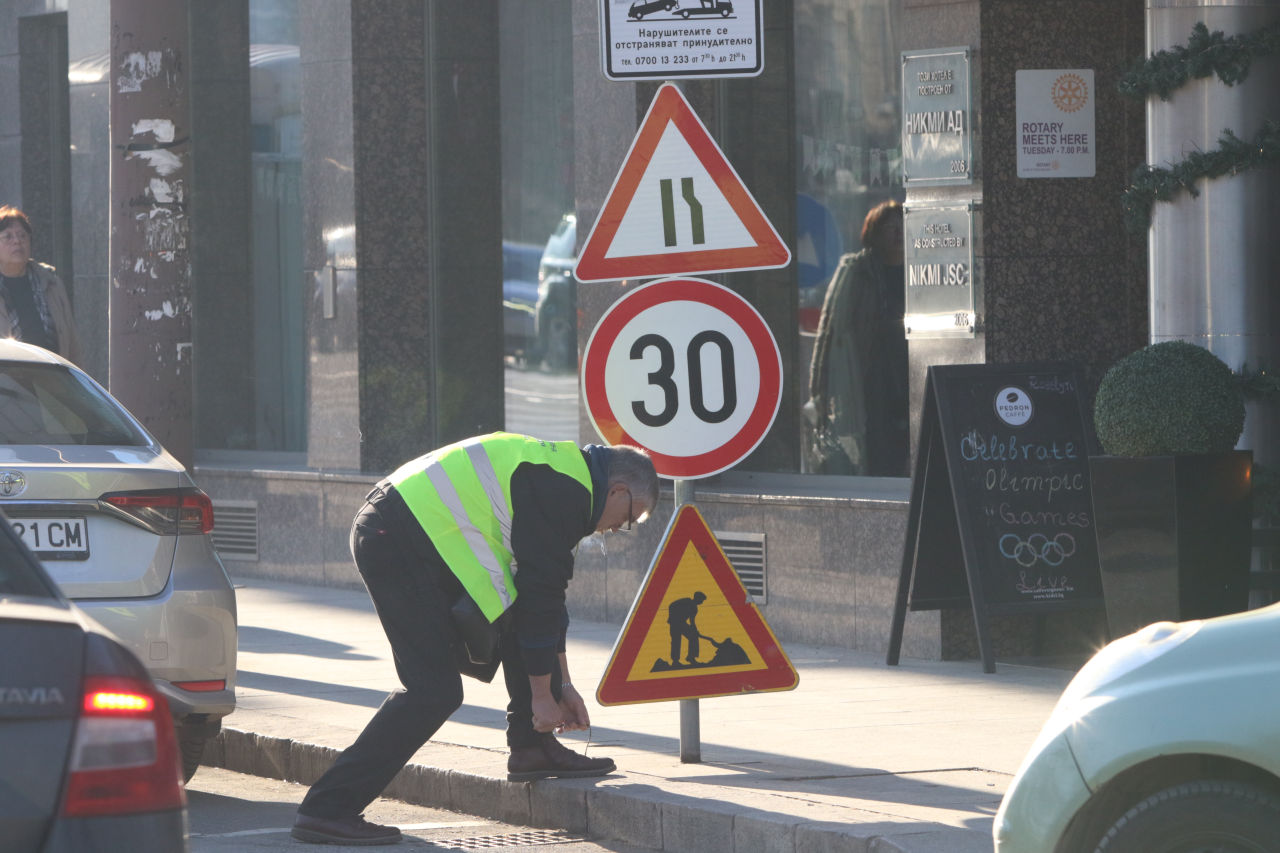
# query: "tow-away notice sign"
[669,39]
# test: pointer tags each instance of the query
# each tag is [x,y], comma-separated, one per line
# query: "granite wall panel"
[1062,276]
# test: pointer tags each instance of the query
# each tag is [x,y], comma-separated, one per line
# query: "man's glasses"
[630,500]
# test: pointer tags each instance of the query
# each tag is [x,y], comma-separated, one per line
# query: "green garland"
[1162,74]
[1233,155]
[1206,53]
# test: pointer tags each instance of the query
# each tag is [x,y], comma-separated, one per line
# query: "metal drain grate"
[235,529]
[527,838]
[746,554]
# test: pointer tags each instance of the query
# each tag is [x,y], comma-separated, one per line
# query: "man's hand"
[574,709]
[567,715]
[547,713]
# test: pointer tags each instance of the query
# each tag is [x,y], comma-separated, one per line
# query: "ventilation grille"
[746,554]
[235,529]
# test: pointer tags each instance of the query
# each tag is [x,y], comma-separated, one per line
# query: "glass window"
[539,294]
[279,375]
[848,240]
[50,404]
[260,403]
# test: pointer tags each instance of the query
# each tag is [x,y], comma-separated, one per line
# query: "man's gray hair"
[632,467]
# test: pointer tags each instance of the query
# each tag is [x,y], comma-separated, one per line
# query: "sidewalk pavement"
[859,757]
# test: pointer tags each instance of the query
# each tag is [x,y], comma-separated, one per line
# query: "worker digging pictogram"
[693,630]
[682,615]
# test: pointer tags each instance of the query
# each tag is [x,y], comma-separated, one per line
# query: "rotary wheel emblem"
[12,484]
[1070,93]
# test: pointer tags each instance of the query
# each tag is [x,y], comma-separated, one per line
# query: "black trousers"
[412,589]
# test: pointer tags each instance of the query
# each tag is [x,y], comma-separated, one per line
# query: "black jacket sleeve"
[550,514]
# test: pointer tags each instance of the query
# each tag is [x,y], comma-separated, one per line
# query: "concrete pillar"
[150,301]
[1214,258]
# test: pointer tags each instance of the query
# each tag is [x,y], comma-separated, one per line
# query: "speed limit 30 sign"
[686,369]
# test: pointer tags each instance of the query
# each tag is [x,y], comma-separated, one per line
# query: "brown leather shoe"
[552,758]
[355,831]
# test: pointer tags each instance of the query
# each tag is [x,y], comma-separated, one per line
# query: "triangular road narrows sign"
[693,631]
[677,207]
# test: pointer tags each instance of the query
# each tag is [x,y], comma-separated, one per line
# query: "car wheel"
[724,13]
[1221,816]
[684,13]
[191,745]
[670,6]
[560,340]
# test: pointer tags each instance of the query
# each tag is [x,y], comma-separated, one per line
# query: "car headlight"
[1112,663]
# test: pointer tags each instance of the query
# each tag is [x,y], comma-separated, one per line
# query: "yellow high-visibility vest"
[461,495]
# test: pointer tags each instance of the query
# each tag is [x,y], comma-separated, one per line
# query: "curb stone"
[640,814]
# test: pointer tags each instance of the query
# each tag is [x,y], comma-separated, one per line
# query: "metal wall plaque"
[938,266]
[937,133]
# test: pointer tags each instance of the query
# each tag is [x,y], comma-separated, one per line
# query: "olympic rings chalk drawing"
[1037,547]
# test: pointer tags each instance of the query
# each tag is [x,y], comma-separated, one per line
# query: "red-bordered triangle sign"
[677,207]
[693,631]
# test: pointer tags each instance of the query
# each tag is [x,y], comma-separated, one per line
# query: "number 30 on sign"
[686,369]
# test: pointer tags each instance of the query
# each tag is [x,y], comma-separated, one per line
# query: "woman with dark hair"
[858,376]
[34,306]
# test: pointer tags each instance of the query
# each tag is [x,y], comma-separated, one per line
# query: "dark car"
[88,755]
[723,8]
[557,309]
[520,298]
[638,9]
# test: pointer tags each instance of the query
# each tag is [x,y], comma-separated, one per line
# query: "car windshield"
[52,404]
[18,575]
[560,243]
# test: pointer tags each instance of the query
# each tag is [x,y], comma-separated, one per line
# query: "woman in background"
[858,376]
[34,306]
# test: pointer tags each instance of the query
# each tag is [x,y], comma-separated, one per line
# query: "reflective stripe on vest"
[461,495]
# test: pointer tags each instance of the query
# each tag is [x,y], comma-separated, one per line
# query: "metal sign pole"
[690,722]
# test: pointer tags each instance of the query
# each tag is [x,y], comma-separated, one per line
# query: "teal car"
[1167,741]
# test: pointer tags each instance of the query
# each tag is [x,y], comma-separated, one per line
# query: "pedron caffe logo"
[12,484]
[1013,406]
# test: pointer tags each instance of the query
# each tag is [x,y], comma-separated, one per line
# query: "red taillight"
[104,701]
[125,755]
[202,686]
[167,512]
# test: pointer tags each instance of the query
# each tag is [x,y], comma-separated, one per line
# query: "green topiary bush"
[1167,399]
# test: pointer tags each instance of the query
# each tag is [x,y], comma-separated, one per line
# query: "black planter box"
[1174,536]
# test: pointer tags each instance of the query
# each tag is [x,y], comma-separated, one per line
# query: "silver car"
[120,526]
[89,760]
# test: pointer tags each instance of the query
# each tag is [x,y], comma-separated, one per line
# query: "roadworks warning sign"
[693,631]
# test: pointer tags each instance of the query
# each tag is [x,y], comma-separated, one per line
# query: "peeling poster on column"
[1057,135]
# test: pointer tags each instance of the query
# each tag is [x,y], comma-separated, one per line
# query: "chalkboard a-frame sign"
[1001,515]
